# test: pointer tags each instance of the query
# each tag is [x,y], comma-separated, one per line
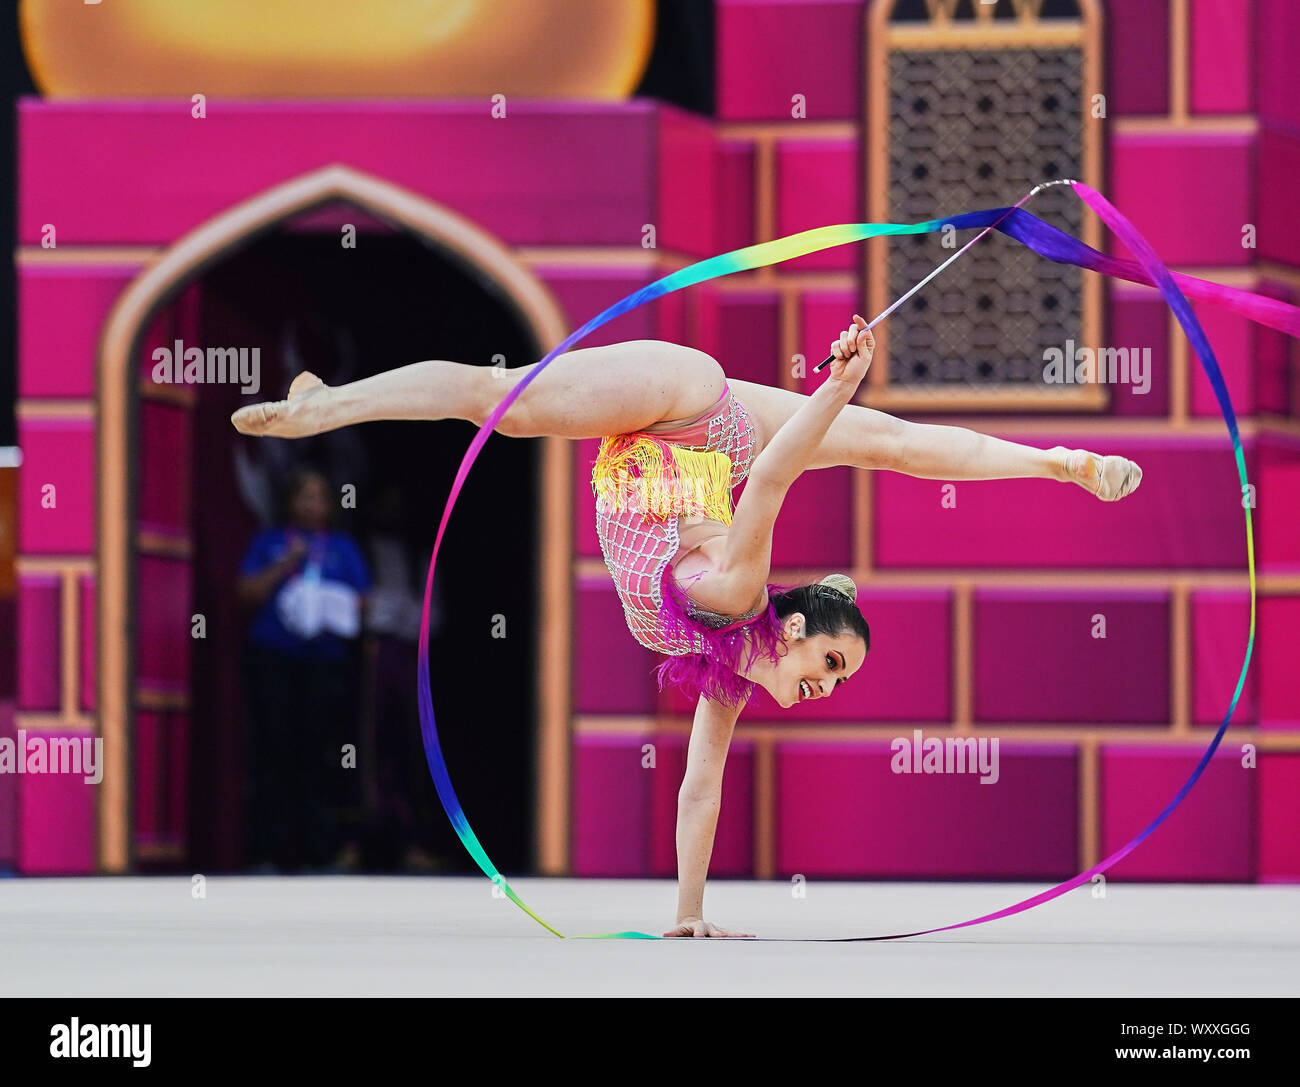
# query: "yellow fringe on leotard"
[662,480]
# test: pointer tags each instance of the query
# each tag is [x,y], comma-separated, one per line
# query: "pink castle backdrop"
[981,613]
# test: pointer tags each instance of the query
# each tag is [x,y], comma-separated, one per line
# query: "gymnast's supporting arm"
[698,803]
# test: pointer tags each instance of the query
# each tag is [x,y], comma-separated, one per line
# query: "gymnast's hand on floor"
[297,417]
[693,926]
[851,353]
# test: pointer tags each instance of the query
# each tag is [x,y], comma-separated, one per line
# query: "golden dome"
[337,48]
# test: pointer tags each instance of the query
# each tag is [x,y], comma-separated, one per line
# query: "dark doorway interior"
[344,313]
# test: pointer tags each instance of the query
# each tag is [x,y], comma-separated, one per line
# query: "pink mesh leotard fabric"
[639,549]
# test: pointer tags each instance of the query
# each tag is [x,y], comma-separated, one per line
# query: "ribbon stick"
[1015,223]
[933,275]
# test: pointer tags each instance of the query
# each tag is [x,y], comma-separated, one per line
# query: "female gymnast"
[676,437]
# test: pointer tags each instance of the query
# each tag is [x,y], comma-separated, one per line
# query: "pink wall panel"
[585,292]
[164,491]
[1060,526]
[817,185]
[823,315]
[1137,57]
[841,811]
[1208,179]
[86,591]
[61,309]
[735,194]
[59,452]
[611,672]
[673,701]
[1279,79]
[686,216]
[40,665]
[1139,320]
[1279,228]
[1220,625]
[625,814]
[1230,337]
[1275,668]
[672,315]
[741,329]
[1278,522]
[906,676]
[163,622]
[816,523]
[1272,354]
[1278,817]
[611,808]
[591,165]
[56,822]
[733,843]
[1036,658]
[1221,61]
[769,50]
[1211,836]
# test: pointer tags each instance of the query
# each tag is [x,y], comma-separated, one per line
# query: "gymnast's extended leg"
[863,437]
[587,393]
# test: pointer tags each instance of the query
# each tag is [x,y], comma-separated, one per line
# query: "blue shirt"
[340,560]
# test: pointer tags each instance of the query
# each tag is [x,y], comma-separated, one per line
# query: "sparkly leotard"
[640,542]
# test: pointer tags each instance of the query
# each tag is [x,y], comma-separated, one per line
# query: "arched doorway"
[127,547]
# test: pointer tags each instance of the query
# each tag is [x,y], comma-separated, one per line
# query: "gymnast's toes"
[1109,478]
[257,418]
[1130,480]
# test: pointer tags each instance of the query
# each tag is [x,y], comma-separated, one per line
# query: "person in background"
[305,584]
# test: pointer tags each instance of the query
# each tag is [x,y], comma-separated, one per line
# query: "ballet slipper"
[1108,478]
[291,418]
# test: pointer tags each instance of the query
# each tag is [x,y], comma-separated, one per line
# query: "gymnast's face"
[813,666]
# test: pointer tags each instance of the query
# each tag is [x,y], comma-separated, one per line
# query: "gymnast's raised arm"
[698,803]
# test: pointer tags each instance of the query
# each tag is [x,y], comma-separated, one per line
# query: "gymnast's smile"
[814,667]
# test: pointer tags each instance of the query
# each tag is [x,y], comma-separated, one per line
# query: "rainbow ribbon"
[1030,231]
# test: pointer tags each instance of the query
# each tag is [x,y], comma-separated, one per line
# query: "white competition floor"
[440,936]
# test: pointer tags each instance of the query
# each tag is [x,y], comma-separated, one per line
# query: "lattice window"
[974,104]
[967,130]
